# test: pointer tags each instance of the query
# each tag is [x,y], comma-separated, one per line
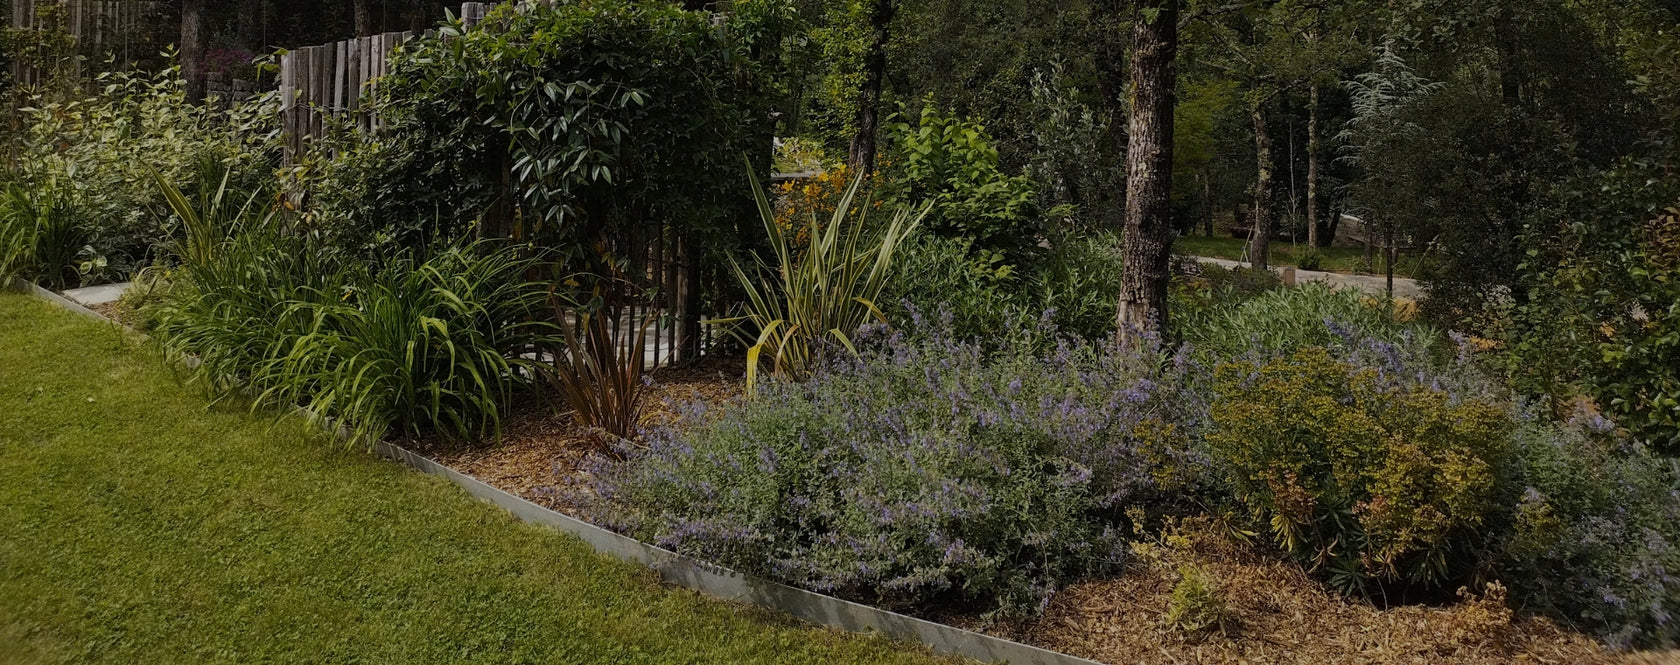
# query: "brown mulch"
[115,312]
[1276,612]
[542,447]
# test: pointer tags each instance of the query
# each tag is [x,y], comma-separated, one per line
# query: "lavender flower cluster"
[925,471]
[1596,535]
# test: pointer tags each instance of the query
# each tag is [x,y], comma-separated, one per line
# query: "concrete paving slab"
[97,295]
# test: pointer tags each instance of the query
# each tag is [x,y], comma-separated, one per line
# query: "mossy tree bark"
[1147,245]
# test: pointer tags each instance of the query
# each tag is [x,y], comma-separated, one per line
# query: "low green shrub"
[924,472]
[933,273]
[1369,475]
[1595,539]
[1078,279]
[1197,603]
[1279,321]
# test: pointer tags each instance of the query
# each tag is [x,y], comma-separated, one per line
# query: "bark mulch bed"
[1276,612]
[542,448]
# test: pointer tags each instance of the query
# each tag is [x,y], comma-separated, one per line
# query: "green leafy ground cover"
[140,525]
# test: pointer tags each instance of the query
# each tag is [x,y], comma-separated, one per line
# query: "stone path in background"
[1404,289]
[89,296]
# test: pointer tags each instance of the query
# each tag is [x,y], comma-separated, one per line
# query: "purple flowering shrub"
[1595,539]
[924,471]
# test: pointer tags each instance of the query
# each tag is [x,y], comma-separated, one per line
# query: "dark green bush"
[567,123]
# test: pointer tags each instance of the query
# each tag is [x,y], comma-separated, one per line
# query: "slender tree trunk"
[364,18]
[1312,167]
[1147,246]
[1207,203]
[1261,241]
[862,153]
[1388,260]
[192,49]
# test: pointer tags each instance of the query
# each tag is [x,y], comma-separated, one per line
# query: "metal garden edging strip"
[704,577]
[27,287]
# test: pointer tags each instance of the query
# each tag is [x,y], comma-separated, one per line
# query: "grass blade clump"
[39,237]
[422,344]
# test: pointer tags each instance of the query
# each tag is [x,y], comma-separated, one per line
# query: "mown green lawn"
[1336,259]
[139,525]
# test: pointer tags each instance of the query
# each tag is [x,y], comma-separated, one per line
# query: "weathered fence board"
[98,28]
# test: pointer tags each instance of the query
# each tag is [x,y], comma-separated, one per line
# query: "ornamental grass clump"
[430,343]
[923,471]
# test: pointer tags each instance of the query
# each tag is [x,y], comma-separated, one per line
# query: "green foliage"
[1197,602]
[104,148]
[950,164]
[586,117]
[1076,281]
[937,274]
[1367,476]
[196,503]
[798,310]
[40,238]
[422,344]
[1595,539]
[1283,320]
[1603,272]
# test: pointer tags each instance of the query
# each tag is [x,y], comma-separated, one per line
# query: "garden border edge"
[693,574]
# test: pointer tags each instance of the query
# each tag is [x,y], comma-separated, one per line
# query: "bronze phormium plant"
[600,373]
[818,294]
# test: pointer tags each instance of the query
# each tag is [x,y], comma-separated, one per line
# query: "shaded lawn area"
[1336,259]
[138,525]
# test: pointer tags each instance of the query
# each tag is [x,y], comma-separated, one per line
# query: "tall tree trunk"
[1207,203]
[364,18]
[1261,241]
[192,49]
[1388,260]
[1147,245]
[1312,167]
[862,153]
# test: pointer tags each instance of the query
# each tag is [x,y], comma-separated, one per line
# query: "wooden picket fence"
[98,28]
[336,80]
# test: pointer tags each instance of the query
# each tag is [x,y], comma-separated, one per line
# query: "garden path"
[1404,289]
